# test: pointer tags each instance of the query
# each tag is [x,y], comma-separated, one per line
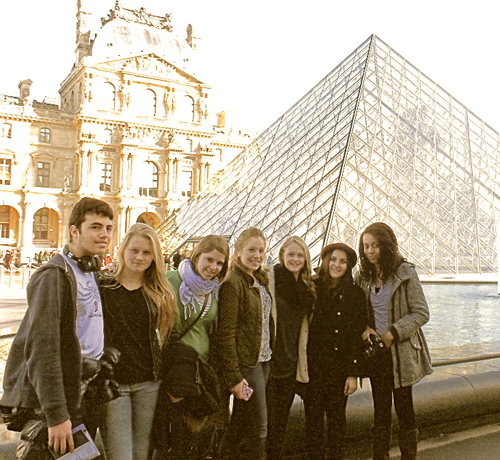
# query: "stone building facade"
[132,126]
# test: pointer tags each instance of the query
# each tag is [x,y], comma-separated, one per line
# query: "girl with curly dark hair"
[397,310]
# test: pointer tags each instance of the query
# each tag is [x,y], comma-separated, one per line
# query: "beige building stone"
[132,127]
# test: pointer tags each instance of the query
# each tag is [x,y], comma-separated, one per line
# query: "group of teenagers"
[271,334]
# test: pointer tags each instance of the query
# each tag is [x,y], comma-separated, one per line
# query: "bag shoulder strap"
[185,331]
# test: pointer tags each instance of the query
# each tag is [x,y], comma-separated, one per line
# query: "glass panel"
[375,140]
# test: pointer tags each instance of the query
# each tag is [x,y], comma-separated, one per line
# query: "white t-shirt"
[89,319]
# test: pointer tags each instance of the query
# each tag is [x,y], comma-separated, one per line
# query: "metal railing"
[16,277]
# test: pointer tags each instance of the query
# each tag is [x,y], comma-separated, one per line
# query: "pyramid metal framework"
[375,140]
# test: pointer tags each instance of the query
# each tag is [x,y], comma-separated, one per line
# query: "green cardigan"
[198,335]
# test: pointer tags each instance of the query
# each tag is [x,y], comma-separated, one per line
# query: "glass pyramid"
[375,140]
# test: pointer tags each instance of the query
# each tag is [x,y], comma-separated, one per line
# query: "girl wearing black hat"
[334,339]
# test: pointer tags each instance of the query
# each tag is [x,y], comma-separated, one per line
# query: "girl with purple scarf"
[195,283]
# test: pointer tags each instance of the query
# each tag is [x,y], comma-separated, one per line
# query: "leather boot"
[381,442]
[408,444]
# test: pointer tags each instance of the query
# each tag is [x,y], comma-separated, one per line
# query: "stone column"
[162,182]
[25,230]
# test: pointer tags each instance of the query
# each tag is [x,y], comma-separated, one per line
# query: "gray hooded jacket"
[44,365]
[408,313]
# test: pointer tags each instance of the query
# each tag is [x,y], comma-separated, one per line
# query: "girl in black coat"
[334,339]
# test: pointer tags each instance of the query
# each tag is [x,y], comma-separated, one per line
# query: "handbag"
[33,443]
[190,377]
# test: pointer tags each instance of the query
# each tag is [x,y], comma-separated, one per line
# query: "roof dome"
[119,39]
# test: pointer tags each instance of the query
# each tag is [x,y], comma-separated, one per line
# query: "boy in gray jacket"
[62,324]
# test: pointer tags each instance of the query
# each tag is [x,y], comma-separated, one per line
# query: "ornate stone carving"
[168,100]
[68,180]
[148,65]
[202,107]
[140,16]
[123,96]
[148,136]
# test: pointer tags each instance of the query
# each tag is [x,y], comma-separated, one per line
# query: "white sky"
[263,55]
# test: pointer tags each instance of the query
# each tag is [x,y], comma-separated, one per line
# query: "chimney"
[24,89]
[191,39]
[223,119]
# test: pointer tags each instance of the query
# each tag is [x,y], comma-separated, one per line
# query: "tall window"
[6,130]
[186,181]
[45,135]
[42,174]
[106,136]
[4,221]
[109,96]
[41,224]
[150,103]
[150,178]
[219,154]
[186,109]
[5,168]
[105,185]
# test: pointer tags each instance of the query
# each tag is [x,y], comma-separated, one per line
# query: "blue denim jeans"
[129,419]
[248,425]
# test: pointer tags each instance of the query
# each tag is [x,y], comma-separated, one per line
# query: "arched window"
[149,180]
[146,103]
[106,136]
[219,154]
[186,109]
[41,224]
[4,221]
[46,227]
[150,103]
[109,96]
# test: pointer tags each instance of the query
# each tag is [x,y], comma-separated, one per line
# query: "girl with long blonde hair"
[139,314]
[293,292]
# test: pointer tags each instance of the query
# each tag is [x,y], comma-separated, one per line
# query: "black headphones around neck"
[85,263]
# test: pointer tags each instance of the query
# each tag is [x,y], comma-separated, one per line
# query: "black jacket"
[335,331]
[293,302]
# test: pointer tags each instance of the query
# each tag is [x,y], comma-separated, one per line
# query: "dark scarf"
[295,292]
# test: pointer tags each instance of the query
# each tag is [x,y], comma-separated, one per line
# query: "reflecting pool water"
[465,319]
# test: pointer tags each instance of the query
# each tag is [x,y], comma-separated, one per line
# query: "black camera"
[371,350]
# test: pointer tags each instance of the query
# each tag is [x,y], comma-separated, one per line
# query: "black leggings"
[382,381]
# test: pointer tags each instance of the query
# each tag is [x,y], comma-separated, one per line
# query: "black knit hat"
[352,258]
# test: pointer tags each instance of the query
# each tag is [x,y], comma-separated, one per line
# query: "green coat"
[408,313]
[239,328]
